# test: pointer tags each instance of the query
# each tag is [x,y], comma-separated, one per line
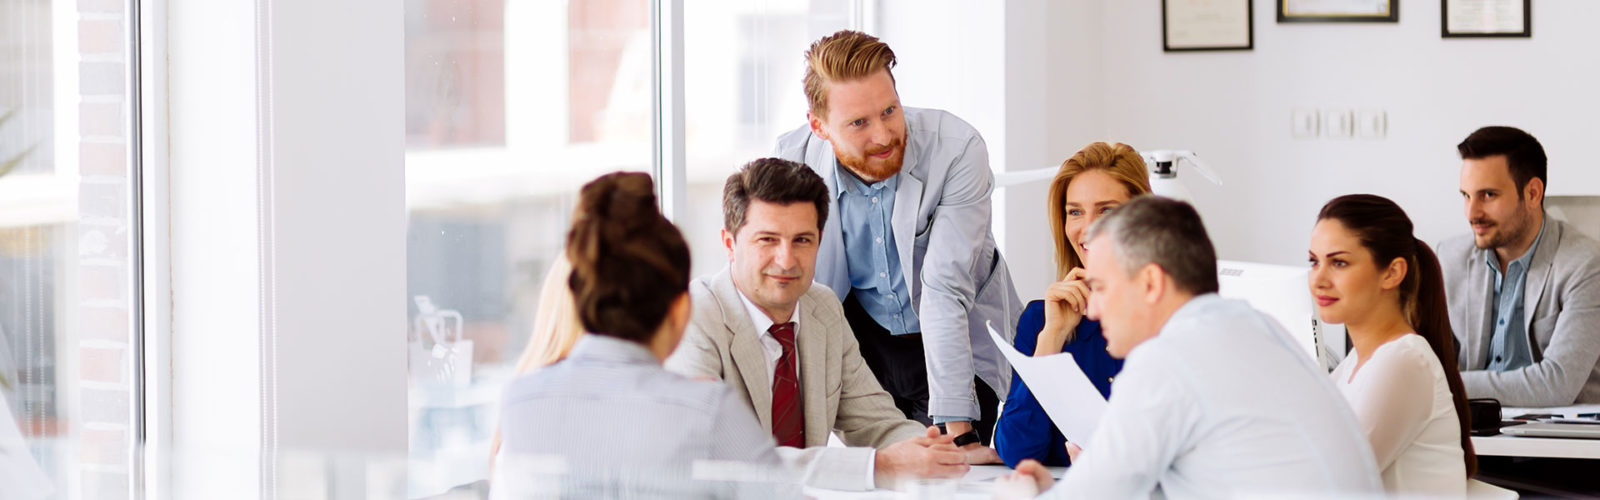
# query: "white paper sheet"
[1066,394]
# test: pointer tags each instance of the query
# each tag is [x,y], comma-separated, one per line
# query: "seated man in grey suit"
[783,345]
[1524,289]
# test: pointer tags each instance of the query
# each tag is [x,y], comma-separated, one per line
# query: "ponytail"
[1429,313]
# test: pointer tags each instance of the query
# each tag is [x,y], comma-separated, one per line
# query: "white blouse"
[1404,403]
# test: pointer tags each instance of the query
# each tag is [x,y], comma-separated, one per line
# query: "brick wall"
[103,388]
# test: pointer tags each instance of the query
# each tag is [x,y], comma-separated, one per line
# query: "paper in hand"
[1071,401]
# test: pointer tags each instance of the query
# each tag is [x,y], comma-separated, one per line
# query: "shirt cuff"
[872,470]
[944,420]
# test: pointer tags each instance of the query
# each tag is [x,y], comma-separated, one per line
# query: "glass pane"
[744,61]
[67,287]
[511,106]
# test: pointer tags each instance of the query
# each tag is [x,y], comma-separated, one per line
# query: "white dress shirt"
[769,345]
[1222,403]
[1403,401]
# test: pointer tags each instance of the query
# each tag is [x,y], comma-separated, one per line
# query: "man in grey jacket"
[908,247]
[1523,289]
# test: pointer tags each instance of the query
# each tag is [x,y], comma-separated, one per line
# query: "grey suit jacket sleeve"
[949,281]
[1566,373]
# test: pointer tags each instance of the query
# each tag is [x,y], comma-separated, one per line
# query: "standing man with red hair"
[907,246]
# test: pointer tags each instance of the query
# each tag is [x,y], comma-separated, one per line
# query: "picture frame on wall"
[1207,25]
[1338,11]
[1486,18]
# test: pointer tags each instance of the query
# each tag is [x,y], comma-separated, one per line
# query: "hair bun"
[628,261]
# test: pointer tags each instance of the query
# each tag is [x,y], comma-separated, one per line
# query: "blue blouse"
[1024,430]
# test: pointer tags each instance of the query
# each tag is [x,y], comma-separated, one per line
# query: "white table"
[1536,447]
[1518,446]
[977,484]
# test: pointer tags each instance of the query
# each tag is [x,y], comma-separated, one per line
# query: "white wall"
[1020,74]
[1233,108]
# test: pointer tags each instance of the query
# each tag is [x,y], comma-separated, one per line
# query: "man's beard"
[870,172]
[1508,234]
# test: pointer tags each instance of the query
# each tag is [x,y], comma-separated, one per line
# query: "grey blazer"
[1562,304]
[956,277]
[838,391]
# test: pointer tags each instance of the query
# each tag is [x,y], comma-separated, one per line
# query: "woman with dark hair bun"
[609,411]
[1369,272]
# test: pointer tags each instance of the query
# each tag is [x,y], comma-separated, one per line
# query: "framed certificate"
[1192,25]
[1338,11]
[1487,18]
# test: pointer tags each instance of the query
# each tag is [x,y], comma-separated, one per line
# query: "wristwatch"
[964,439]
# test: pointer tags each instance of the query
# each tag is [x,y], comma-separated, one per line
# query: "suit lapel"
[831,269]
[1538,274]
[813,340]
[1478,309]
[907,203]
[745,347]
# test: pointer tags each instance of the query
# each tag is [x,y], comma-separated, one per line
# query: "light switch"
[1304,123]
[1338,123]
[1372,124]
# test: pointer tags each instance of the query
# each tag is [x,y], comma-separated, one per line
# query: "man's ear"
[1154,283]
[727,242]
[1534,192]
[816,126]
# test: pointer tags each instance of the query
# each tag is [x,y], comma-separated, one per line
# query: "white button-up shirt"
[1222,403]
[769,345]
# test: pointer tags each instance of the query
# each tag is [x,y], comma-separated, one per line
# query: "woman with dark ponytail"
[1369,272]
[609,411]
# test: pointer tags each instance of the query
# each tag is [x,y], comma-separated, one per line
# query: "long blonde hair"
[1120,161]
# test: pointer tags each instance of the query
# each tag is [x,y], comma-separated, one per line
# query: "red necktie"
[788,421]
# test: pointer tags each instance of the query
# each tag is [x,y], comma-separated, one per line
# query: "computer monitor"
[1282,293]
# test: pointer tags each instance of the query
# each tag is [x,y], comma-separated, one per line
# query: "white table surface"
[978,483]
[1537,447]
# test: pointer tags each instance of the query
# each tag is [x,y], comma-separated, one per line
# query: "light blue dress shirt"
[875,276]
[1508,345]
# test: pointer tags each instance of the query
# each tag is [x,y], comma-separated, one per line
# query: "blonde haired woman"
[1090,184]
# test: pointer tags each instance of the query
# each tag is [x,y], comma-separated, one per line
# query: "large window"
[510,107]
[743,62]
[69,351]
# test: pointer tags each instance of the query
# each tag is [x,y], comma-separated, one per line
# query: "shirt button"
[874,199]
[891,296]
[1502,322]
[883,275]
[877,240]
[1497,359]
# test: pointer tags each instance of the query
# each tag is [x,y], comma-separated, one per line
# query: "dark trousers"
[898,363]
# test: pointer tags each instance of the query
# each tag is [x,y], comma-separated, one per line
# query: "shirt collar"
[1527,257]
[849,183]
[600,347]
[760,319]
